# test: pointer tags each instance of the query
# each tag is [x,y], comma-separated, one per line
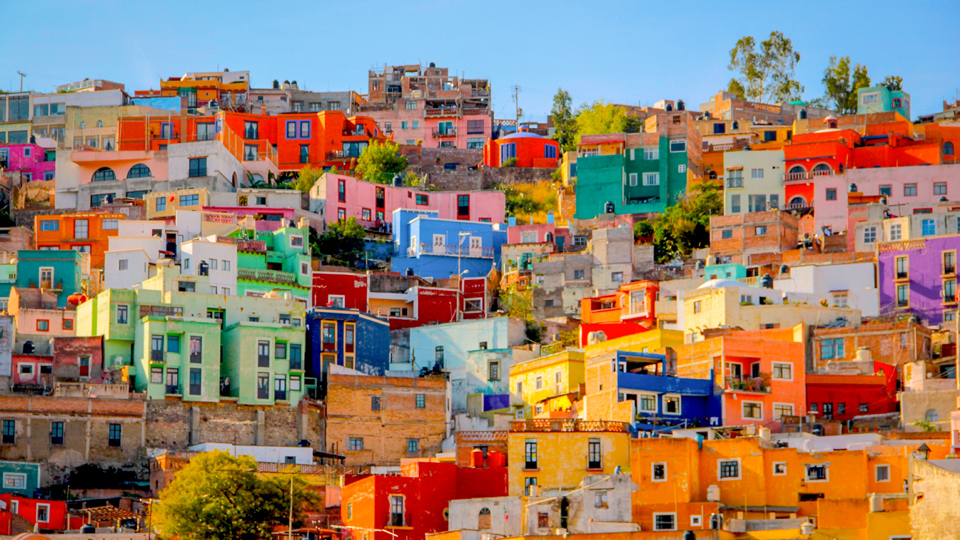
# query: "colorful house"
[877,99]
[84,232]
[273,260]
[415,503]
[346,337]
[527,149]
[630,310]
[753,181]
[843,393]
[338,197]
[428,246]
[44,514]
[919,276]
[55,270]
[19,478]
[31,161]
[536,381]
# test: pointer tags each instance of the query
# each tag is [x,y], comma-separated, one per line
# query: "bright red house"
[630,310]
[843,397]
[409,506]
[529,149]
[48,515]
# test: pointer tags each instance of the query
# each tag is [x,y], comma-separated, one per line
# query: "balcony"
[156,356]
[441,133]
[734,182]
[949,270]
[903,275]
[806,176]
[441,111]
[268,276]
[452,251]
[359,132]
[538,425]
[196,358]
[757,385]
[173,390]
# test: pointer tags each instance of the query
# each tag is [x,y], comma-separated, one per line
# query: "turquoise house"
[274,260]
[877,99]
[732,271]
[633,180]
[57,270]
[19,478]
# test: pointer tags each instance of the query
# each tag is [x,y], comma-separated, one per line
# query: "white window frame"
[875,95]
[333,298]
[775,473]
[696,520]
[46,508]
[19,480]
[739,469]
[655,514]
[775,364]
[791,405]
[806,472]
[651,154]
[876,470]
[663,404]
[742,403]
[670,146]
[651,179]
[681,169]
[292,237]
[666,475]
[656,402]
[632,179]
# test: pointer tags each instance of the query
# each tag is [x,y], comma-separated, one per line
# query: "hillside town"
[395,315]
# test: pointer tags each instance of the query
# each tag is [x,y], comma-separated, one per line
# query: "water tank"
[765,434]
[864,355]
[680,105]
[496,459]
[77,299]
[476,458]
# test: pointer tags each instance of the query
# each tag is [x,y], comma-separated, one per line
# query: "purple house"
[919,276]
[32,161]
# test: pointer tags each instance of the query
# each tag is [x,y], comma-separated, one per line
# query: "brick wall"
[385,432]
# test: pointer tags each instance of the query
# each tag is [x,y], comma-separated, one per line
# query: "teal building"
[56,270]
[878,99]
[271,260]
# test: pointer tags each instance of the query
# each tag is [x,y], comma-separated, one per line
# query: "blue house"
[56,270]
[662,402]
[346,337]
[427,246]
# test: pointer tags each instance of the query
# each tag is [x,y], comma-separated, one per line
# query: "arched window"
[948,148]
[797,202]
[104,174]
[896,103]
[548,237]
[931,416]
[484,519]
[234,180]
[99,123]
[797,169]
[139,171]
[822,168]
[608,208]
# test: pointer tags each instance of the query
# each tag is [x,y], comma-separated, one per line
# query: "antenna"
[516,101]
[22,75]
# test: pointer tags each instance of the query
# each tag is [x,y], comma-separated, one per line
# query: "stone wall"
[468,175]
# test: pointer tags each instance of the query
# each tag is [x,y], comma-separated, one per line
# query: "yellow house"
[568,168]
[540,379]
[554,453]
[730,304]
[164,204]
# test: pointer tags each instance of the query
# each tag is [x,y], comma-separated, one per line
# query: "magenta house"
[337,197]
[32,161]
[919,276]
[266,219]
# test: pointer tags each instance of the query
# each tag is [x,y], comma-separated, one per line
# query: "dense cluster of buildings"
[484,375]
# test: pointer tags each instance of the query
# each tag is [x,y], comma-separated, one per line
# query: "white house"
[207,256]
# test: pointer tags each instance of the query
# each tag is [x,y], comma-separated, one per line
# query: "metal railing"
[451,132]
[454,251]
[270,276]
[568,424]
[735,182]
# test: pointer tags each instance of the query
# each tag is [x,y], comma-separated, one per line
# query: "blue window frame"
[550,152]
[291,129]
[166,130]
[49,225]
[304,129]
[929,227]
[161,204]
[190,200]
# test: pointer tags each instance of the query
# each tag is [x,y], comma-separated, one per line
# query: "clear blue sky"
[623,52]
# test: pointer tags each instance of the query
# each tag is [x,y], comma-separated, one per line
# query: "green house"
[271,260]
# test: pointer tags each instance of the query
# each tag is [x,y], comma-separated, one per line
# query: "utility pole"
[516,101]
[22,75]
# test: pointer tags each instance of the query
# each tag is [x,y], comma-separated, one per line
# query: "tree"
[516,302]
[344,242]
[219,497]
[893,82]
[840,88]
[600,117]
[686,225]
[308,177]
[737,89]
[766,75]
[380,161]
[564,120]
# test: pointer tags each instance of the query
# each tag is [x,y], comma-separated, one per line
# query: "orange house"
[157,132]
[630,310]
[529,149]
[85,232]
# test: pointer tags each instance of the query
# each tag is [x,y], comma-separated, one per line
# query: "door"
[476,246]
[439,243]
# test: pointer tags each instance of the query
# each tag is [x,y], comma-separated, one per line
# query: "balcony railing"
[747,384]
[156,356]
[903,275]
[949,270]
[453,251]
[441,111]
[798,176]
[568,424]
[440,133]
[196,358]
[734,182]
[269,276]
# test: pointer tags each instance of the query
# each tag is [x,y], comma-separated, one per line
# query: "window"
[49,225]
[528,483]
[579,274]
[752,410]
[939,188]
[43,325]
[161,204]
[280,387]
[664,522]
[355,443]
[104,174]
[671,404]
[697,306]
[198,167]
[928,227]
[374,403]
[756,173]
[719,128]
[780,468]
[190,200]
[729,469]
[114,435]
[782,409]
[156,375]
[56,433]
[493,371]
[616,277]
[423,199]
[831,194]
[14,481]
[296,356]
[396,511]
[816,473]
[681,169]
[438,354]
[280,350]
[421,401]
[903,295]
[81,228]
[949,291]
[530,454]
[68,324]
[550,151]
[648,403]
[650,154]
[632,179]
[910,190]
[9,432]
[882,473]
[263,386]
[659,472]
[651,179]
[831,349]
[43,513]
[869,235]
[896,231]
[291,129]
[782,371]
[263,354]
[868,99]
[757,203]
[413,445]
[678,146]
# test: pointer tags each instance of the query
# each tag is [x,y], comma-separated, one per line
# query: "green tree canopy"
[766,75]
[893,82]
[220,497]
[380,161]
[343,242]
[686,225]
[308,177]
[600,117]
[564,121]
[841,86]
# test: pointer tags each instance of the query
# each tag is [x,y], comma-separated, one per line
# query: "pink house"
[337,197]
[536,233]
[96,166]
[32,161]
[916,189]
[271,219]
